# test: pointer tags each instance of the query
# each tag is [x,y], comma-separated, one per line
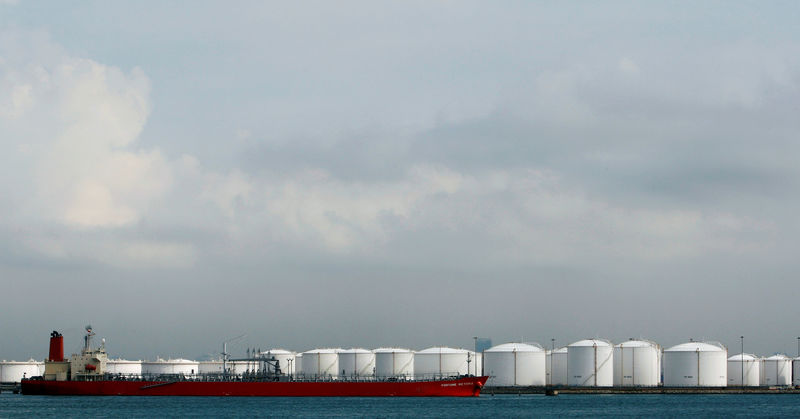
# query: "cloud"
[409,162]
[70,127]
[515,178]
[627,65]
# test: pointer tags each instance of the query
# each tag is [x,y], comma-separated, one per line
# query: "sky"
[365,174]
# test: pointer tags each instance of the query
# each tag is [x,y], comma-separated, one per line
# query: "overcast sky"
[410,174]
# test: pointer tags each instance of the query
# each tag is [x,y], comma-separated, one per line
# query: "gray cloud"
[397,175]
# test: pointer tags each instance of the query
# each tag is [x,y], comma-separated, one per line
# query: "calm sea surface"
[730,405]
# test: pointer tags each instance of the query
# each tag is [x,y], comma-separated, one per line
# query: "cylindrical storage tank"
[394,363]
[515,364]
[124,368]
[796,372]
[171,367]
[556,367]
[234,367]
[356,362]
[242,367]
[637,363]
[745,367]
[321,363]
[778,371]
[210,367]
[441,361]
[696,364]
[475,363]
[14,371]
[285,359]
[590,363]
[298,364]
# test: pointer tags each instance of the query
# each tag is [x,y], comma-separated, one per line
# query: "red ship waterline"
[83,375]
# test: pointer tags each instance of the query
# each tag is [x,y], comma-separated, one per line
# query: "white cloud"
[18,100]
[69,127]
[117,252]
[513,216]
[628,66]
[228,192]
[78,120]
[76,123]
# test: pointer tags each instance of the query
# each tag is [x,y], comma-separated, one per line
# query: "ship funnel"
[56,347]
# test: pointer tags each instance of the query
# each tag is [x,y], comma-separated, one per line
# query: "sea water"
[565,405]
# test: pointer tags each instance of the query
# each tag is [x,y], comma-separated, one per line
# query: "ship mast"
[225,354]
[87,340]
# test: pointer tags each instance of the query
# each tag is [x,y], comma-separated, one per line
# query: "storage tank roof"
[442,350]
[591,342]
[637,344]
[355,351]
[277,352]
[697,346]
[745,357]
[515,347]
[392,350]
[323,351]
[778,357]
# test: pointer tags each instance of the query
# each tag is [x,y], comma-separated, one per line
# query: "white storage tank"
[796,371]
[556,367]
[476,364]
[590,363]
[637,363]
[696,364]
[442,361]
[170,366]
[321,363]
[242,367]
[210,367]
[234,367]
[124,367]
[394,363]
[745,367]
[15,371]
[286,360]
[356,362]
[515,364]
[298,364]
[778,371]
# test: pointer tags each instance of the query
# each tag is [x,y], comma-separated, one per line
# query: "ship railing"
[396,378]
[218,377]
[122,376]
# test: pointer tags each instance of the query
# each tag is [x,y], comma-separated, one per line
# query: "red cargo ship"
[83,375]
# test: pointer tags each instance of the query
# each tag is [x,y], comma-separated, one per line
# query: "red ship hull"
[461,387]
